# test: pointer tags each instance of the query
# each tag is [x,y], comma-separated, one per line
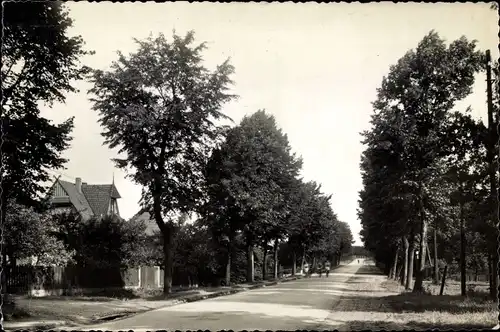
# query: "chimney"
[78,184]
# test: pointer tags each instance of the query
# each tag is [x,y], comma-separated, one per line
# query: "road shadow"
[369,269]
[453,304]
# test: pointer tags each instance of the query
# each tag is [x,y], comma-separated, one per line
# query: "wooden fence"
[57,280]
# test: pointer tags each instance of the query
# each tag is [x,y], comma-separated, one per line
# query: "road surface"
[306,303]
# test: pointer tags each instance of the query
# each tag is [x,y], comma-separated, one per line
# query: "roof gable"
[99,196]
[78,200]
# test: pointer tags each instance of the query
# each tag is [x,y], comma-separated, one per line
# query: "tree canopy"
[40,64]
[421,153]
[159,107]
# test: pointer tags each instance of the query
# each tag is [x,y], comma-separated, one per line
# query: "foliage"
[104,242]
[28,234]
[416,144]
[248,179]
[158,106]
[40,63]
[196,254]
[249,172]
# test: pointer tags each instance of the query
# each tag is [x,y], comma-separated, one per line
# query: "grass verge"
[448,311]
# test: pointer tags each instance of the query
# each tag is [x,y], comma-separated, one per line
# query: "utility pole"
[490,155]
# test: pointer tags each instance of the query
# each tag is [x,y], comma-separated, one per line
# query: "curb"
[196,298]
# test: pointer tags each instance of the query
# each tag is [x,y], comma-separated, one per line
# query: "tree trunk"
[419,287]
[276,243]
[405,268]
[264,262]
[167,232]
[411,255]
[490,272]
[395,264]
[398,273]
[228,267]
[494,277]
[436,265]
[303,259]
[168,258]
[294,263]
[3,265]
[463,271]
[250,263]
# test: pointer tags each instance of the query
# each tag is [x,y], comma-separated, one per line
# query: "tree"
[248,177]
[425,84]
[40,63]
[197,257]
[158,106]
[386,204]
[312,220]
[29,234]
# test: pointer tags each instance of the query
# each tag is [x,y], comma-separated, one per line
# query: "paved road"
[301,304]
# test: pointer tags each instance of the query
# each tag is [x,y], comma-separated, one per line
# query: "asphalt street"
[301,304]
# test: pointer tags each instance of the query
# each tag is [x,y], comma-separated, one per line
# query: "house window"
[113,207]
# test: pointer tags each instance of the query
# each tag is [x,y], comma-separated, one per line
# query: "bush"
[105,242]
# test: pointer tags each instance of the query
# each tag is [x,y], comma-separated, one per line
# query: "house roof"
[99,195]
[94,198]
[151,226]
[78,200]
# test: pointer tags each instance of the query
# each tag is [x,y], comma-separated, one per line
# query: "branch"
[7,92]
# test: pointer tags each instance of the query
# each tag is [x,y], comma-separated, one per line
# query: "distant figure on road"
[307,271]
[327,269]
[320,269]
[358,261]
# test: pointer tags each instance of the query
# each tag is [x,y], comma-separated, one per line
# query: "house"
[151,226]
[89,200]
[147,218]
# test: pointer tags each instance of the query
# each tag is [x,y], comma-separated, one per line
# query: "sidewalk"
[49,313]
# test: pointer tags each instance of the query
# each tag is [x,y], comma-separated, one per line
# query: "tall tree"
[158,106]
[40,64]
[425,84]
[312,220]
[252,163]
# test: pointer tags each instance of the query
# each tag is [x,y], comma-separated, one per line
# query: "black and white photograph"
[269,166]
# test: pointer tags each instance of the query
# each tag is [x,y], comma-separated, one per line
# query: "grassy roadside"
[449,311]
[45,312]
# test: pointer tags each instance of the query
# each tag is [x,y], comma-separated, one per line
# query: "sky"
[315,67]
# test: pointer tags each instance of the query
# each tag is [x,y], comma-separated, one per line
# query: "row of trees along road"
[428,170]
[160,106]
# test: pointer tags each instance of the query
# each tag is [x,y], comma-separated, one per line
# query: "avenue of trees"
[161,108]
[429,171]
